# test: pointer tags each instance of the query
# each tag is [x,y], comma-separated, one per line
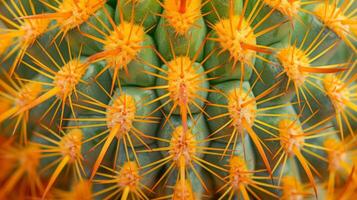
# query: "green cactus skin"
[136,75]
[313,28]
[46,161]
[323,106]
[321,166]
[276,35]
[266,72]
[36,50]
[6,4]
[244,151]
[199,191]
[215,9]
[346,128]
[87,45]
[290,168]
[93,88]
[187,44]
[217,98]
[147,180]
[51,119]
[89,153]
[226,71]
[145,158]
[198,128]
[141,96]
[273,122]
[143,12]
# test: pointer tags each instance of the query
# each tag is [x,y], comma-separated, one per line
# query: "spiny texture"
[178,99]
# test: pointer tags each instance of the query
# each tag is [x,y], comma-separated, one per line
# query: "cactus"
[178,99]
